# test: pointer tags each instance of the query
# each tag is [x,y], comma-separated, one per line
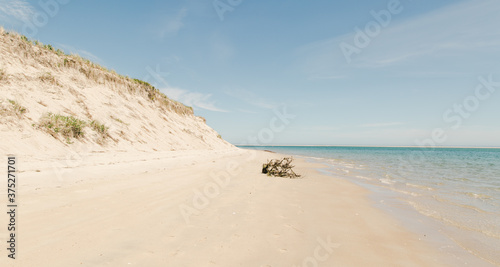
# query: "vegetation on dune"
[101,129]
[95,73]
[48,78]
[142,82]
[71,127]
[156,96]
[118,120]
[67,126]
[18,109]
[38,55]
[49,47]
[14,109]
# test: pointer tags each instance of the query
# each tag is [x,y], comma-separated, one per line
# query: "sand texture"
[202,208]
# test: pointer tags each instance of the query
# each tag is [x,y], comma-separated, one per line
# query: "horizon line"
[383,146]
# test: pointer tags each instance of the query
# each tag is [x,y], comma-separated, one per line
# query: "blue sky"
[404,80]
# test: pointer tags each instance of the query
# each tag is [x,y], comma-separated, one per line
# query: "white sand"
[126,209]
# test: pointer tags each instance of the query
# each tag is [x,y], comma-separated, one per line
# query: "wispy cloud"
[16,11]
[315,77]
[221,48]
[247,111]
[463,32]
[252,99]
[383,124]
[173,23]
[194,99]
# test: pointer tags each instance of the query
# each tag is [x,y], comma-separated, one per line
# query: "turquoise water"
[459,188]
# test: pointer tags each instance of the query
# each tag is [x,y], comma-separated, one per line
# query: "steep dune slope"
[51,102]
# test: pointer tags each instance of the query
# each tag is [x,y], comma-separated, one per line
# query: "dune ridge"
[51,102]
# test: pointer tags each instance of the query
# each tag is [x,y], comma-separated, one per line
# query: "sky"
[365,72]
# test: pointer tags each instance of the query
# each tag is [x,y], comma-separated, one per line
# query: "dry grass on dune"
[47,56]
[73,100]
[12,108]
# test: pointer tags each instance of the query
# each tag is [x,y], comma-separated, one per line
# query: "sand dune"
[37,80]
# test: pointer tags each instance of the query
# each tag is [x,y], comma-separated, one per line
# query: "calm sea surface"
[459,188]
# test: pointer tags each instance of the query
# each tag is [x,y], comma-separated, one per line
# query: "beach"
[106,170]
[161,133]
[201,208]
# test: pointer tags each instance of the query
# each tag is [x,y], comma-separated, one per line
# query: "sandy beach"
[201,208]
[112,172]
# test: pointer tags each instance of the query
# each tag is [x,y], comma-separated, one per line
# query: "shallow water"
[457,187]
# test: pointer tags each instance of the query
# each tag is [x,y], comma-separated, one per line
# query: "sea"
[449,195]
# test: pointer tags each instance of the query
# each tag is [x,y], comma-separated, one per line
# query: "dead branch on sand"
[279,168]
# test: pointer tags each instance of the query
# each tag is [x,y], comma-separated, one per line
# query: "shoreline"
[127,209]
[434,232]
[428,229]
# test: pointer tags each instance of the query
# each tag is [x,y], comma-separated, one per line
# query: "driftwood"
[279,168]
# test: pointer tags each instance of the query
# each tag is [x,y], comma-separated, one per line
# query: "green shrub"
[67,126]
[70,127]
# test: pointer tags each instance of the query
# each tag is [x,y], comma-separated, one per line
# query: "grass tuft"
[3,76]
[67,126]
[143,83]
[14,109]
[99,127]
[70,127]
[48,78]
[118,120]
[101,130]
[18,109]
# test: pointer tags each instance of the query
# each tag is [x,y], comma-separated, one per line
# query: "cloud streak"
[17,10]
[439,40]
[378,125]
[173,24]
[194,99]
[252,99]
